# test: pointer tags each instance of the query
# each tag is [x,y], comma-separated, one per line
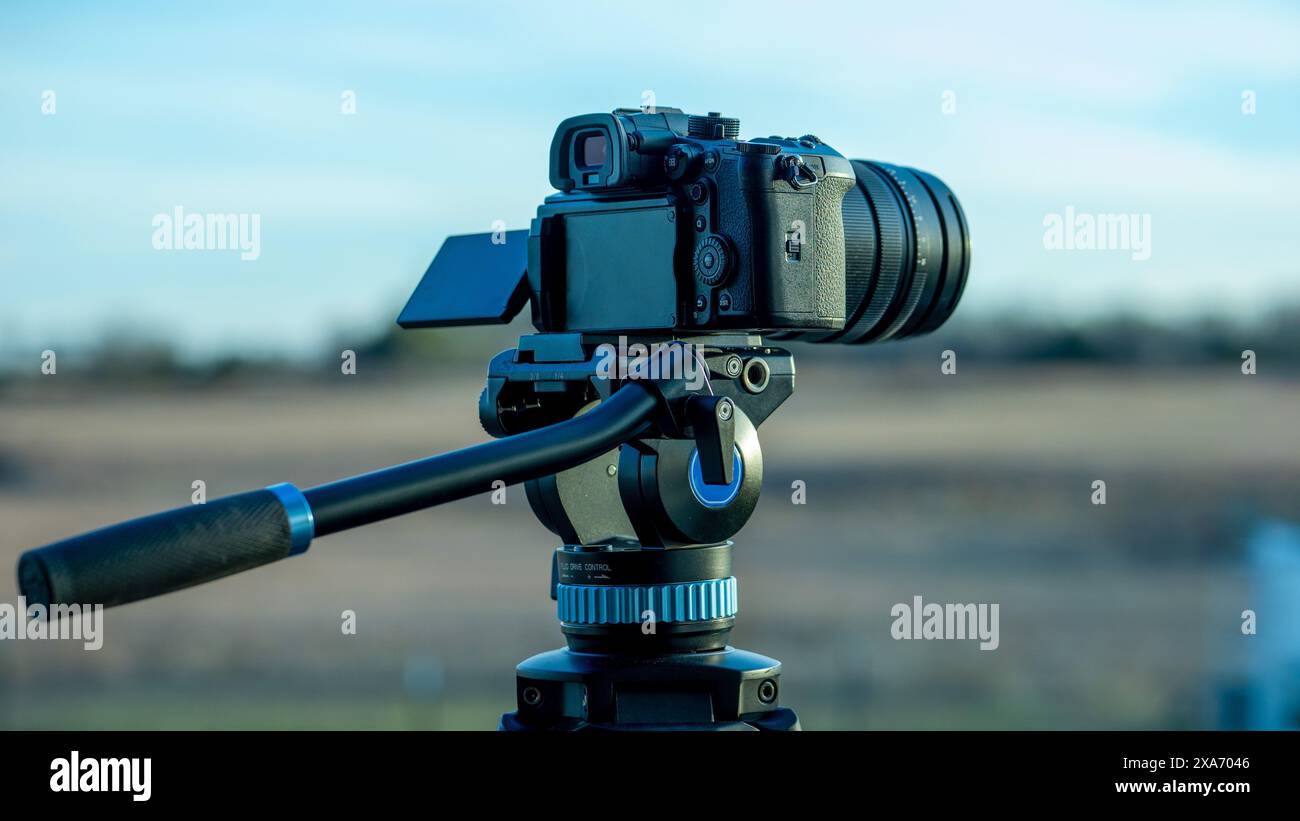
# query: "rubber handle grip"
[160,553]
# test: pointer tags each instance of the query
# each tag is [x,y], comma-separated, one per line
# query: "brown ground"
[965,488]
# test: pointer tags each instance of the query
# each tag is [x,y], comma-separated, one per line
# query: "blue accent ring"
[302,523]
[629,604]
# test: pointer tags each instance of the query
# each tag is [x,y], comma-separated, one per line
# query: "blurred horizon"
[1101,108]
[125,356]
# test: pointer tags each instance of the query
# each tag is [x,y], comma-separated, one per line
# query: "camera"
[667,223]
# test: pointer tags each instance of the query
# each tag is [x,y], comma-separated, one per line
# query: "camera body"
[667,222]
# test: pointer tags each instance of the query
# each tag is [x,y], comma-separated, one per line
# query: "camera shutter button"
[712,261]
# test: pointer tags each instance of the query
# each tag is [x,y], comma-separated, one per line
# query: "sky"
[1186,115]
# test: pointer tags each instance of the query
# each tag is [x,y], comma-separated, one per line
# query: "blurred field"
[966,488]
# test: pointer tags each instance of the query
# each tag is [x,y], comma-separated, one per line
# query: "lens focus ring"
[889,275]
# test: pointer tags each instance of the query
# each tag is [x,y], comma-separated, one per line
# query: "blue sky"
[1108,108]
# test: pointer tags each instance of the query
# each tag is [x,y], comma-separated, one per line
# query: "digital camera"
[667,223]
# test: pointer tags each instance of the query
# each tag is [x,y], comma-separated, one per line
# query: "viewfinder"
[593,150]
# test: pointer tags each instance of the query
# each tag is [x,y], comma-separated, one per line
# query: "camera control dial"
[712,261]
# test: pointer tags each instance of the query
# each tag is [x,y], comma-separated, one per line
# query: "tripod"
[642,458]
[644,587]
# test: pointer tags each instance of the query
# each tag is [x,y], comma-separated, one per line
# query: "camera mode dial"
[713,126]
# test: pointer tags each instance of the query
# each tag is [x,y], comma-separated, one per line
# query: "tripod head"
[694,478]
[646,525]
[642,457]
[645,592]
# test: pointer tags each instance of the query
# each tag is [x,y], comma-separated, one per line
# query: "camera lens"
[906,254]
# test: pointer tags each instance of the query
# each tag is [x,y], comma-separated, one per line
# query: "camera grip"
[830,258]
[168,551]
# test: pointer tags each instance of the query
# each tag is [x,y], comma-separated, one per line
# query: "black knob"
[681,161]
[713,126]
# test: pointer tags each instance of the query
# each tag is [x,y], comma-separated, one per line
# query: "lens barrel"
[907,255]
